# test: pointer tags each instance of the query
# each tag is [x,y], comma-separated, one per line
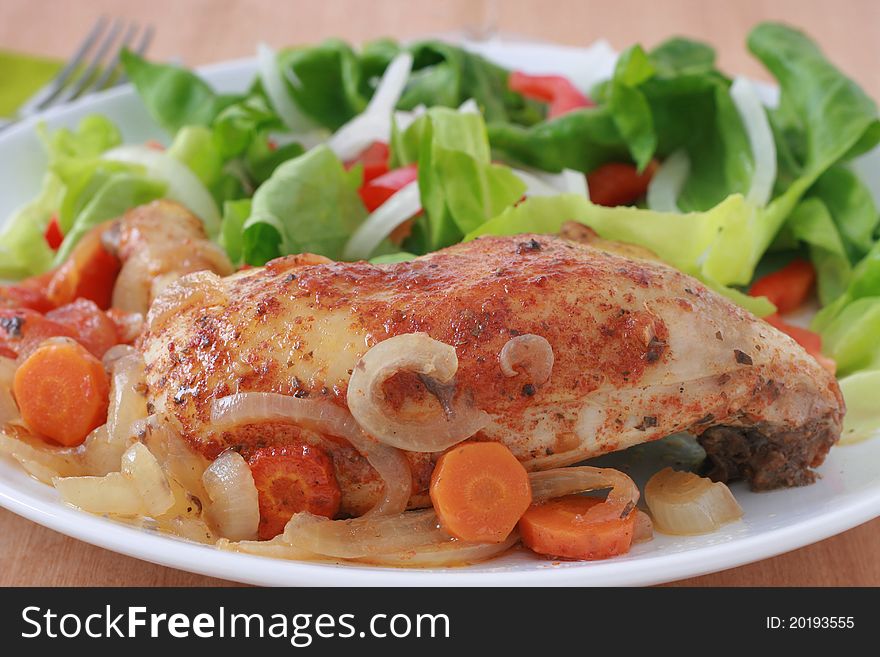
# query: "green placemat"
[21,76]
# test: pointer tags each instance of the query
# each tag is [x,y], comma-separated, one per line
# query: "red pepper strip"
[380,189]
[787,288]
[53,234]
[556,90]
[375,160]
[616,183]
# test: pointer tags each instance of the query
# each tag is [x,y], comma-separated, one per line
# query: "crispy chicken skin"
[641,351]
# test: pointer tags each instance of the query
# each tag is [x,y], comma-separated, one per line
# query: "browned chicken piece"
[641,351]
[158,243]
[583,234]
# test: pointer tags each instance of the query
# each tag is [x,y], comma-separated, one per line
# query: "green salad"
[393,151]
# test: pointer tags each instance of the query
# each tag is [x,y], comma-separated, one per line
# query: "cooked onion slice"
[139,489]
[420,354]
[403,205]
[365,536]
[644,529]
[113,493]
[757,126]
[8,407]
[621,500]
[177,459]
[666,185]
[128,401]
[38,458]
[326,418]
[532,353]
[7,371]
[234,510]
[684,503]
[201,288]
[444,554]
[374,124]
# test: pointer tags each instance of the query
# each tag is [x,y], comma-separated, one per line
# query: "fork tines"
[93,66]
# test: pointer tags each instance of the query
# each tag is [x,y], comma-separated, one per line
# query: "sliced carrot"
[29,293]
[89,273]
[62,392]
[558,528]
[22,330]
[290,479]
[480,491]
[788,287]
[617,183]
[92,328]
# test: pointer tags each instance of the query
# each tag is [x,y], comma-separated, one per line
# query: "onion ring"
[430,359]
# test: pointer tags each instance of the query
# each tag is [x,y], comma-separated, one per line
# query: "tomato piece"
[89,273]
[53,234]
[617,183]
[556,90]
[30,293]
[787,288]
[22,330]
[93,328]
[375,159]
[379,190]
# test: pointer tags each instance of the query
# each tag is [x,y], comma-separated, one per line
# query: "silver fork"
[89,69]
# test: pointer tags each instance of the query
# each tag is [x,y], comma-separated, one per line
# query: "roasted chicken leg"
[640,351]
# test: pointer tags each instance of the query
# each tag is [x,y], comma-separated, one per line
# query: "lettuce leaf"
[460,187]
[862,419]
[445,75]
[811,223]
[328,79]
[75,176]
[174,96]
[235,213]
[23,249]
[120,192]
[309,204]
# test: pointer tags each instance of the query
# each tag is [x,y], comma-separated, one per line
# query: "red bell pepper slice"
[617,183]
[53,234]
[556,90]
[787,288]
[375,160]
[380,189]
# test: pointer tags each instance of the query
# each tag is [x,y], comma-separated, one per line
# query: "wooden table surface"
[203,31]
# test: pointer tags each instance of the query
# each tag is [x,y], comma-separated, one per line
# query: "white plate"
[847,494]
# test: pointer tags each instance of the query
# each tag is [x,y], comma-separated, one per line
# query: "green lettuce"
[118,193]
[23,249]
[862,419]
[309,204]
[329,81]
[174,96]
[80,189]
[811,223]
[459,185]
